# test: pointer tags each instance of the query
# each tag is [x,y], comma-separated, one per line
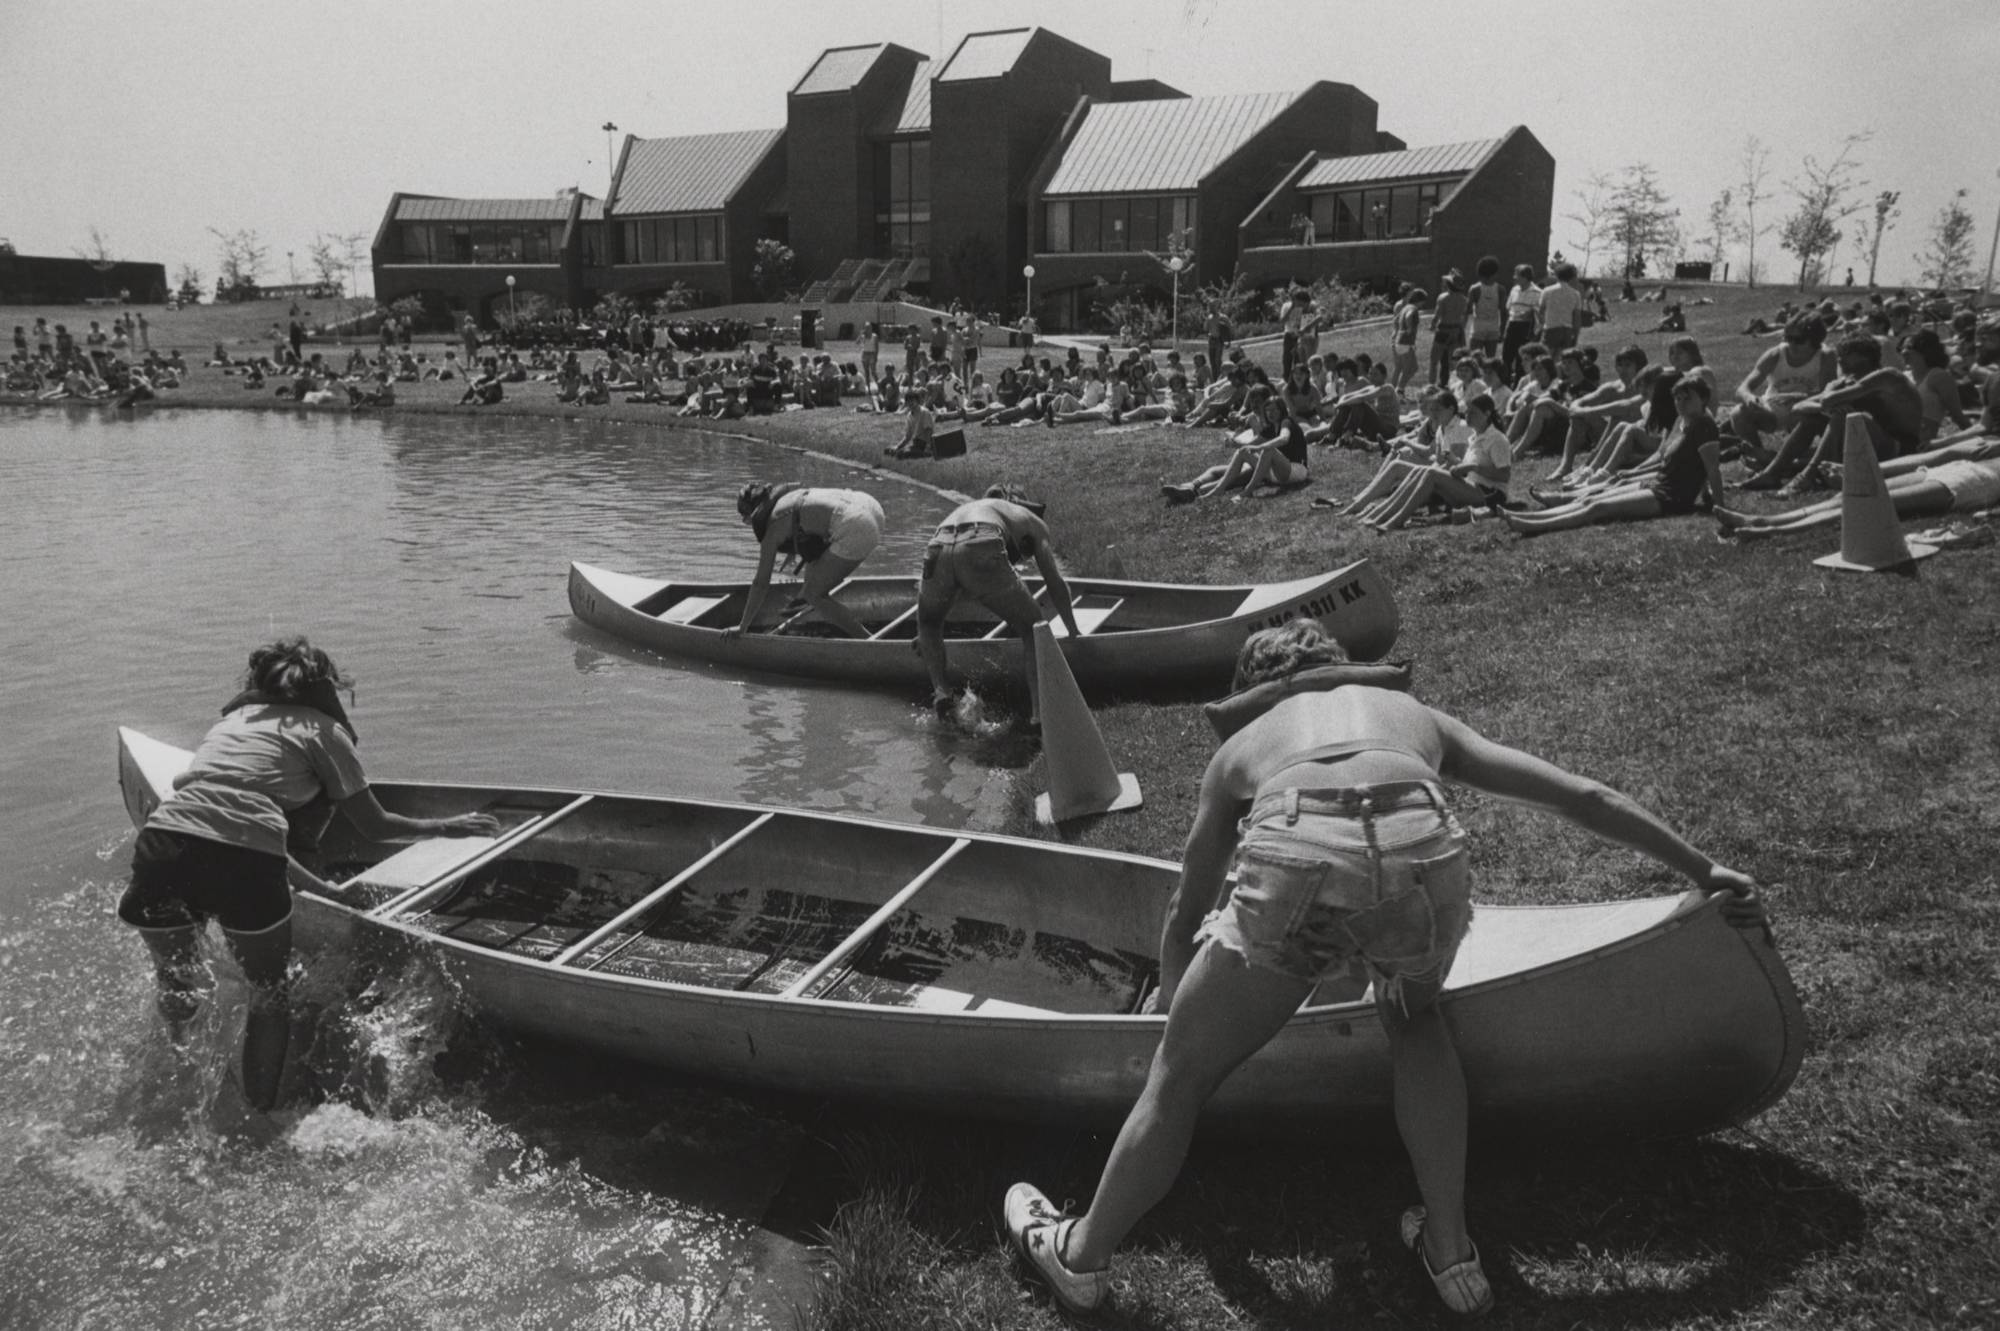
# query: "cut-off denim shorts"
[1363,880]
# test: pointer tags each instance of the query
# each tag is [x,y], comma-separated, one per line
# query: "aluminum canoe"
[828,955]
[1137,636]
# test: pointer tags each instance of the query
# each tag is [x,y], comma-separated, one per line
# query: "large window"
[1136,223]
[903,199]
[484,242]
[1378,212]
[695,239]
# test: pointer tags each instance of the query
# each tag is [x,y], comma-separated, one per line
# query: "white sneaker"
[1463,1287]
[1041,1232]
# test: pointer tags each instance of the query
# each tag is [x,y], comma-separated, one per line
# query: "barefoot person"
[215,847]
[973,554]
[1962,477]
[828,531]
[1330,805]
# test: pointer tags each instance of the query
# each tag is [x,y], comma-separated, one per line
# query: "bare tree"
[1723,229]
[1756,168]
[1639,220]
[1825,193]
[97,249]
[187,281]
[1886,213]
[1592,215]
[1947,253]
[327,259]
[240,259]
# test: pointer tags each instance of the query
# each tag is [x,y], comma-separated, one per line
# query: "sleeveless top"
[1789,380]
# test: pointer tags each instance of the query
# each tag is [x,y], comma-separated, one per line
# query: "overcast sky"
[156,122]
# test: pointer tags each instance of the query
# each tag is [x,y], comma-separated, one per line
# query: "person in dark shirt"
[1689,465]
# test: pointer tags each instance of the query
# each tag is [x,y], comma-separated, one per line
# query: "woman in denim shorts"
[1328,800]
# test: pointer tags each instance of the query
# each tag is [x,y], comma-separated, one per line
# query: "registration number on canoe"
[1319,606]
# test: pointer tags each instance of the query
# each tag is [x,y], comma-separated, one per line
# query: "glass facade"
[1378,212]
[691,239]
[482,242]
[1139,222]
[902,199]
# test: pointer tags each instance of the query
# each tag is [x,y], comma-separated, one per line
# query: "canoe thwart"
[425,893]
[647,903]
[854,941]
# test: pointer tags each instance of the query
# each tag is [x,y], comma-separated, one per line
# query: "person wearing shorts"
[280,761]
[973,554]
[1327,797]
[1960,477]
[828,531]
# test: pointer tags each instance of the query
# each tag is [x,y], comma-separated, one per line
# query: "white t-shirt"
[1454,438]
[1560,304]
[254,766]
[1502,396]
[1488,454]
[1522,302]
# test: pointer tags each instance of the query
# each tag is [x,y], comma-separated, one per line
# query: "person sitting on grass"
[1478,480]
[1275,456]
[1173,407]
[1366,414]
[1929,369]
[596,393]
[919,429]
[1441,437]
[1798,368]
[1220,400]
[1098,404]
[383,394]
[1690,467]
[1960,477]
[1330,804]
[1301,399]
[1884,398]
[1542,420]
[485,391]
[1628,447]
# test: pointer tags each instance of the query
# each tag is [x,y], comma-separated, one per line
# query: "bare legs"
[1420,485]
[823,575]
[184,980]
[1625,504]
[1914,497]
[1430,1114]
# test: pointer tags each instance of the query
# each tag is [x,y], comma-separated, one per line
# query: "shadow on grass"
[1295,1232]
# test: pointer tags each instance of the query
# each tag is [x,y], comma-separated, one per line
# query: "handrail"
[653,898]
[852,943]
[424,893]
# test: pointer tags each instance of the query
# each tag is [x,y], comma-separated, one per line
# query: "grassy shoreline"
[1832,734]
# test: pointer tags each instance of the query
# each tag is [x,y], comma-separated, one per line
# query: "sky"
[154,123]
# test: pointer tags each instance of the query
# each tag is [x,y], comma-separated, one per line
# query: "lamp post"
[1986,291]
[1174,266]
[1028,271]
[291,268]
[609,165]
[510,299]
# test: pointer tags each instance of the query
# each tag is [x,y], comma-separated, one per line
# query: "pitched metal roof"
[838,69]
[1124,147]
[915,117]
[1442,159]
[695,173]
[986,55]
[483,210]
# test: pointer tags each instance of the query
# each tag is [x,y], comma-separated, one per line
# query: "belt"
[1382,797]
[972,528]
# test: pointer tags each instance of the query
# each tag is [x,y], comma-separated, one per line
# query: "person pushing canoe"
[828,531]
[973,553]
[1348,862]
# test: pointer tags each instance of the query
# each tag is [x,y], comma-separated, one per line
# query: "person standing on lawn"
[1329,801]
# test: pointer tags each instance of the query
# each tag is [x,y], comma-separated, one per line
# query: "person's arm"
[1058,589]
[1711,463]
[376,823]
[760,585]
[1751,390]
[1204,869]
[1854,389]
[1472,759]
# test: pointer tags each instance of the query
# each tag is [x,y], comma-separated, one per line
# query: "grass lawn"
[1832,734]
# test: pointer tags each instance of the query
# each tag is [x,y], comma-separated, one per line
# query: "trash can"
[809,329]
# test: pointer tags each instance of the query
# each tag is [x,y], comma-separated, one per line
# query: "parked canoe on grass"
[1136,635]
[827,955]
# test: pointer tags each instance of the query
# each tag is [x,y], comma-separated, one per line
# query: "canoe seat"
[689,608]
[420,862]
[1088,617]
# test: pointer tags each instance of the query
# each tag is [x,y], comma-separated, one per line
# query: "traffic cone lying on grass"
[1871,535]
[1082,778]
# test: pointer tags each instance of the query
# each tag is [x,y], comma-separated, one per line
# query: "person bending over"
[1329,805]
[973,554]
[1962,477]
[1689,467]
[828,531]
[277,765]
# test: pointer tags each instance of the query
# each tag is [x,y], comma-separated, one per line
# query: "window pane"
[1057,238]
[415,243]
[555,243]
[920,177]
[1085,215]
[1177,223]
[1191,227]
[899,176]
[1403,211]
[461,244]
[1146,224]
[920,238]
[882,152]
[1321,212]
[705,232]
[1114,233]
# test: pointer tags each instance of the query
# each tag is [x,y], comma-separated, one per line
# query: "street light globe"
[1028,271]
[510,279]
[1176,263]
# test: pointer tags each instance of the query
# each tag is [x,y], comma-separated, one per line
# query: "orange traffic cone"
[1871,536]
[1082,778]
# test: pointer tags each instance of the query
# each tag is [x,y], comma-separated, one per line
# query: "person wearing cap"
[1327,796]
[827,531]
[973,554]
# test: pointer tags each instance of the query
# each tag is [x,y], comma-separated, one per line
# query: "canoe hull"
[1652,1017]
[1355,604]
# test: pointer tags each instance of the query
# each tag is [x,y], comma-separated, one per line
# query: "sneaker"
[1178,494]
[1042,1233]
[1463,1287]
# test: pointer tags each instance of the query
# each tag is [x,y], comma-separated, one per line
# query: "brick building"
[945,178]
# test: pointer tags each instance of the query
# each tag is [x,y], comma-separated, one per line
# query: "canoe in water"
[829,955]
[1137,636]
